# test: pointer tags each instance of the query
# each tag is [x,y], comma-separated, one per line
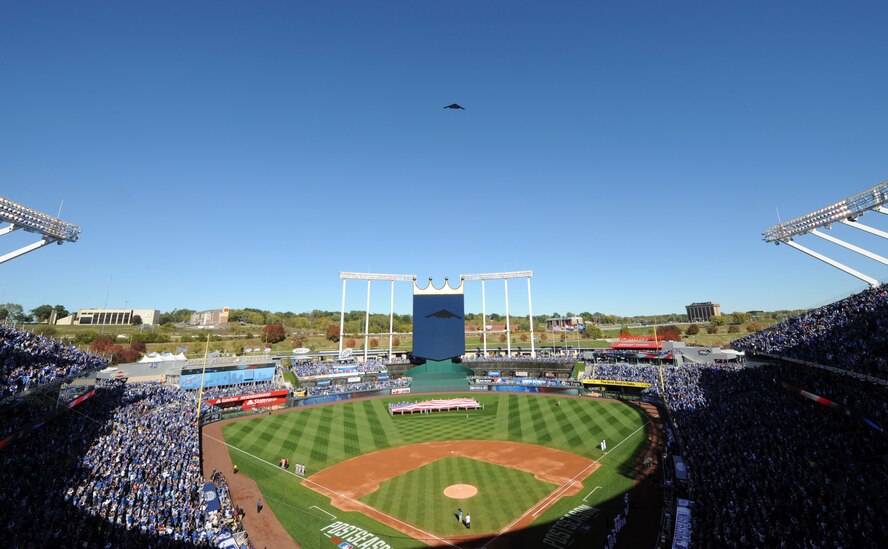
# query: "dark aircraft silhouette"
[455,106]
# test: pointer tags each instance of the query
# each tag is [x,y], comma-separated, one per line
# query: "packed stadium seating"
[534,381]
[768,467]
[303,369]
[28,360]
[360,386]
[211,393]
[851,334]
[120,470]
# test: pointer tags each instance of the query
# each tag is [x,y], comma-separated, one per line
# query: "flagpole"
[659,364]
[202,374]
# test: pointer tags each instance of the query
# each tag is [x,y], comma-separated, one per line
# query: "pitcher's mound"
[460,491]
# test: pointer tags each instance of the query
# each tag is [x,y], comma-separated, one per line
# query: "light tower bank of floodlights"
[32,221]
[846,212]
[426,328]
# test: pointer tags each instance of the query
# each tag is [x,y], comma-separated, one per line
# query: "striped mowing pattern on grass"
[418,497]
[320,437]
[323,436]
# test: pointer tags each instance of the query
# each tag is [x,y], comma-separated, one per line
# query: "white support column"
[367,323]
[530,316]
[342,319]
[8,229]
[844,268]
[391,318]
[483,319]
[852,247]
[864,228]
[25,249]
[508,329]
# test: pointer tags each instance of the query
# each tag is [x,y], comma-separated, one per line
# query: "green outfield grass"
[322,436]
[490,511]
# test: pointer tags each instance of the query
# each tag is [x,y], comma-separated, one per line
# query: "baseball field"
[376,480]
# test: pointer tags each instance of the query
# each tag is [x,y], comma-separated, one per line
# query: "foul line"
[590,493]
[558,492]
[331,515]
[343,496]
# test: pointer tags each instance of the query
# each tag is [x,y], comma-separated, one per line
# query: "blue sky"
[631,153]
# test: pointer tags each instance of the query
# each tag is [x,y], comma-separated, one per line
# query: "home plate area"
[421,489]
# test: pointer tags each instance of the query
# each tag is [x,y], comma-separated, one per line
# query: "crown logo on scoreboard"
[443,290]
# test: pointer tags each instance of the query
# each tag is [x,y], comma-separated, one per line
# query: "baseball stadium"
[415,274]
[644,443]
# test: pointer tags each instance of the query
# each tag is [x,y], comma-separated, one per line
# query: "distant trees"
[274,333]
[396,342]
[101,345]
[718,320]
[138,346]
[374,342]
[712,329]
[693,329]
[13,312]
[136,320]
[333,333]
[739,318]
[733,329]
[44,312]
[669,333]
[175,316]
[350,343]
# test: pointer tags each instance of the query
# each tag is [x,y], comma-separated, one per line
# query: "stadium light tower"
[845,212]
[505,278]
[18,216]
[369,277]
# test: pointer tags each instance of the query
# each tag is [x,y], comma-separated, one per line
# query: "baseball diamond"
[532,458]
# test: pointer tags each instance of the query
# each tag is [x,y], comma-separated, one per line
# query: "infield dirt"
[346,482]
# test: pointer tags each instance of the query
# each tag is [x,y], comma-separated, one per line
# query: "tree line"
[317,321]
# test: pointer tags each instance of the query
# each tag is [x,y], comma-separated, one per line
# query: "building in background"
[110,317]
[213,317]
[563,323]
[702,312]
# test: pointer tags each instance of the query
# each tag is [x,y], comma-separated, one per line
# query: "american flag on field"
[434,405]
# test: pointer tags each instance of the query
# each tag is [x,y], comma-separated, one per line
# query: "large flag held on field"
[434,405]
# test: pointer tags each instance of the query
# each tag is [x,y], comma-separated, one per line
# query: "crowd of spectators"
[23,412]
[534,381]
[210,393]
[566,360]
[326,368]
[770,468]
[851,334]
[681,382]
[358,387]
[28,360]
[120,470]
